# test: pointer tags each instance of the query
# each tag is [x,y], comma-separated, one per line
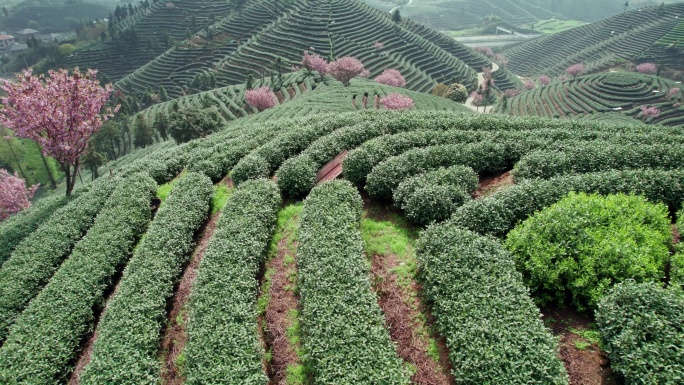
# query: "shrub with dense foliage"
[192,123]
[677,261]
[343,333]
[250,167]
[223,344]
[261,98]
[43,342]
[297,176]
[14,195]
[435,195]
[492,327]
[40,254]
[585,244]
[345,69]
[125,351]
[643,327]
[457,92]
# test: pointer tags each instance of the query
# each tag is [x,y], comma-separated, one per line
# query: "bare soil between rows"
[490,184]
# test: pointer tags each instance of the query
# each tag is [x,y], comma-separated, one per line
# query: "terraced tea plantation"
[614,92]
[646,34]
[270,275]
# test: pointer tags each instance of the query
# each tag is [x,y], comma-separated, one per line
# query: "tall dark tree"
[396,16]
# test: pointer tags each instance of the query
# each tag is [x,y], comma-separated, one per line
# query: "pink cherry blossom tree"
[14,196]
[396,101]
[511,92]
[60,112]
[391,77]
[501,59]
[346,68]
[485,51]
[261,98]
[378,45]
[647,68]
[673,92]
[313,62]
[529,84]
[544,80]
[477,99]
[649,112]
[575,70]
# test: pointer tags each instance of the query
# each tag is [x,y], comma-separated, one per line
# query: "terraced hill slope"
[250,42]
[613,92]
[648,34]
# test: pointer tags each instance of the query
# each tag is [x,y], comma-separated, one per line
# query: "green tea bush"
[493,329]
[677,260]
[125,351]
[497,214]
[596,157]
[40,254]
[643,327]
[584,244]
[435,195]
[250,167]
[43,342]
[297,176]
[343,332]
[20,225]
[223,344]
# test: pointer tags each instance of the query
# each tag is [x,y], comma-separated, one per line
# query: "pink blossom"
[485,51]
[562,78]
[261,98]
[313,62]
[501,59]
[511,92]
[647,68]
[529,84]
[575,70]
[487,72]
[391,77]
[14,196]
[649,112]
[544,80]
[378,45]
[477,98]
[60,112]
[346,68]
[673,92]
[396,101]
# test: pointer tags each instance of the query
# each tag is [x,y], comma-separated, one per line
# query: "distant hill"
[613,94]
[252,39]
[648,34]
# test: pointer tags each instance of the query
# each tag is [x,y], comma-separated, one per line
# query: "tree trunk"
[70,173]
[53,182]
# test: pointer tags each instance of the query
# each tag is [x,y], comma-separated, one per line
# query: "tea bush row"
[343,333]
[493,329]
[39,255]
[43,342]
[223,344]
[125,351]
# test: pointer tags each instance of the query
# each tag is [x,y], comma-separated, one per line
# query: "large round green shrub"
[434,203]
[297,176]
[643,327]
[250,167]
[462,177]
[584,244]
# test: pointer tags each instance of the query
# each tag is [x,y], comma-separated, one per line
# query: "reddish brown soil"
[87,353]
[401,318]
[676,236]
[175,337]
[282,300]
[492,184]
[589,366]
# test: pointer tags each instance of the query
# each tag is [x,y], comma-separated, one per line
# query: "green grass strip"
[223,345]
[40,254]
[125,351]
[343,332]
[43,343]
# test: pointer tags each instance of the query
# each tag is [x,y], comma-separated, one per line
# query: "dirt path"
[480,81]
[584,361]
[490,185]
[280,315]
[174,336]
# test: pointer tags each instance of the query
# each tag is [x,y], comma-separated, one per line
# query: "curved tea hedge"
[493,329]
[642,325]
[223,345]
[343,333]
[42,343]
[125,351]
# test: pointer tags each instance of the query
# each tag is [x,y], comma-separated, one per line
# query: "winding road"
[480,81]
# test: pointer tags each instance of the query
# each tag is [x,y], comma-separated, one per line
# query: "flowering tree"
[647,68]
[544,80]
[14,196]
[391,77]
[346,68]
[396,101]
[378,45]
[575,70]
[477,98]
[60,112]
[485,51]
[649,112]
[528,84]
[511,92]
[673,92]
[261,98]
[501,59]
[313,62]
